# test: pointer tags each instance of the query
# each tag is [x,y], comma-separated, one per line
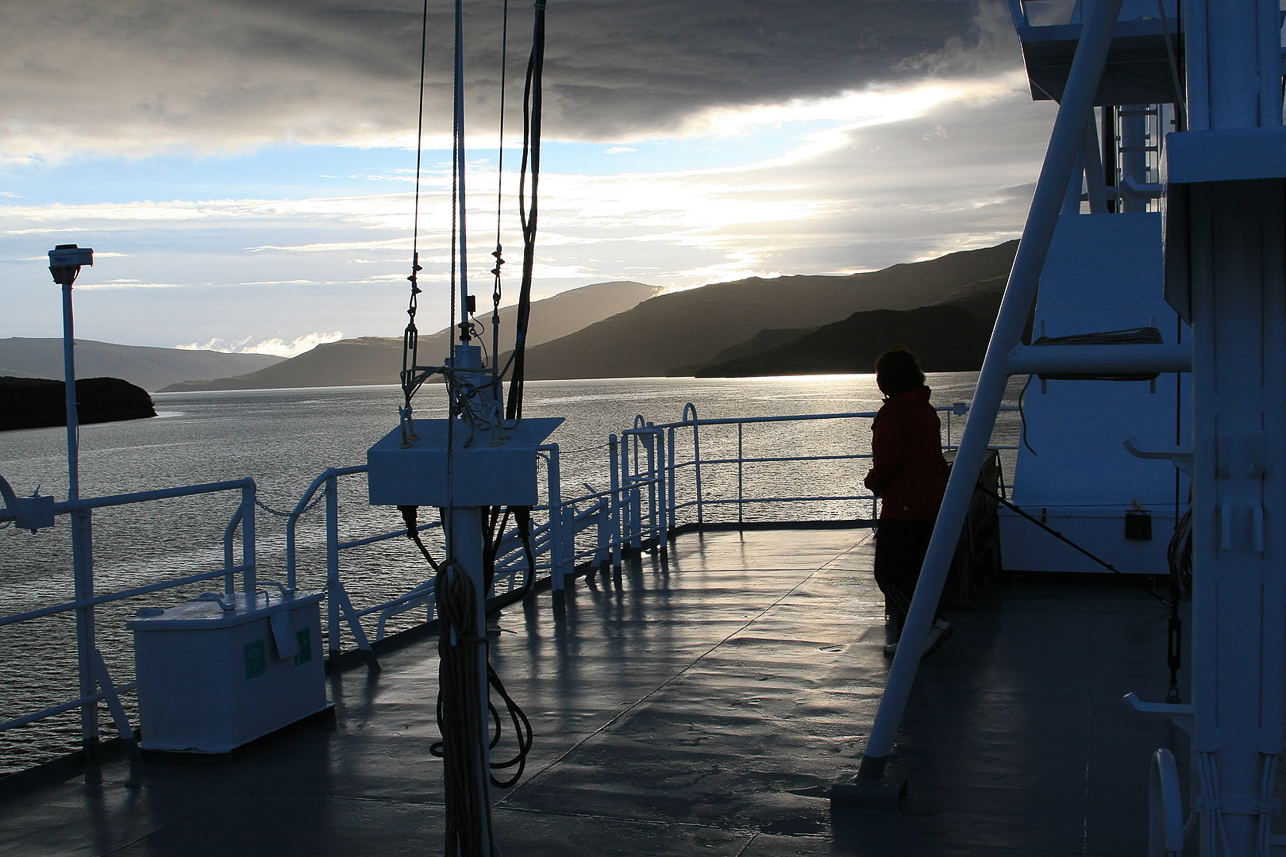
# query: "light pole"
[65,262]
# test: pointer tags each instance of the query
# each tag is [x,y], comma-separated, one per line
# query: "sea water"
[284,438]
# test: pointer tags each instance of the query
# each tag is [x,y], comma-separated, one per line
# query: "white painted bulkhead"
[1073,472]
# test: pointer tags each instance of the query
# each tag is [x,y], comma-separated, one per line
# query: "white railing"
[661,480]
[93,677]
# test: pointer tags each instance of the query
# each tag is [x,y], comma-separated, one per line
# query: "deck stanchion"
[670,478]
[557,520]
[636,517]
[740,469]
[332,540]
[662,503]
[614,502]
[653,477]
[602,547]
[1067,138]
[248,579]
[567,564]
[690,415]
[229,554]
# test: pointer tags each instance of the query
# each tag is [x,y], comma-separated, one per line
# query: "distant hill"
[149,368]
[945,338]
[346,363]
[680,332]
[949,336]
[41,403]
[378,360]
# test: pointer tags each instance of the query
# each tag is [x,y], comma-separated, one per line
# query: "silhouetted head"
[897,371]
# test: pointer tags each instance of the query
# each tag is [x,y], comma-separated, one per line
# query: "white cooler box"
[218,672]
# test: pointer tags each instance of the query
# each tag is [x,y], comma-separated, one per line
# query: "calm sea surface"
[284,438]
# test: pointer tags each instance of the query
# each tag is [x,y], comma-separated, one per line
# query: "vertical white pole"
[466,540]
[460,165]
[1237,282]
[81,541]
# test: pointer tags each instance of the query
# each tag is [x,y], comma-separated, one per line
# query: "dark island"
[41,403]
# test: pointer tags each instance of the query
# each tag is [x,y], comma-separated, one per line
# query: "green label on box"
[256,660]
[305,645]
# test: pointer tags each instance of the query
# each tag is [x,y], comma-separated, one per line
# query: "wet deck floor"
[699,703]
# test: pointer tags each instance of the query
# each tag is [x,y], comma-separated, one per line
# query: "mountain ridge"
[146,366]
[378,359]
[674,333]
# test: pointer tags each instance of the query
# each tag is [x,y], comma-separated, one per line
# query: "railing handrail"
[99,686]
[641,505]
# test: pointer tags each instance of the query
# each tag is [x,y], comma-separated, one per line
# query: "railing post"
[636,518]
[662,521]
[614,501]
[649,445]
[249,582]
[332,559]
[602,547]
[567,564]
[690,415]
[229,555]
[556,544]
[740,469]
[555,549]
[670,511]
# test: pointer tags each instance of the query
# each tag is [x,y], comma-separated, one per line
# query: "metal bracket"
[1180,456]
[1132,699]
[1182,715]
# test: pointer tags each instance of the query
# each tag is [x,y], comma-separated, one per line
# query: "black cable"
[1053,532]
[522,729]
[500,179]
[533,105]
[410,336]
[1022,415]
[413,532]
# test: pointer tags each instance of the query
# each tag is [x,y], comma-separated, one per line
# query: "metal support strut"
[1066,143]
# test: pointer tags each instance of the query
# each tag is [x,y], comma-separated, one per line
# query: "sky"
[245,170]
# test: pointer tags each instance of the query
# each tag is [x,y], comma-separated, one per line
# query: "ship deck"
[702,701]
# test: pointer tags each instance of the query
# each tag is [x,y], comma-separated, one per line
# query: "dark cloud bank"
[238,73]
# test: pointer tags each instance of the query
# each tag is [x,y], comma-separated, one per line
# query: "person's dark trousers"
[899,552]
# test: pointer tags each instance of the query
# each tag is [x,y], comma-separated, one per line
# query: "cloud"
[143,76]
[276,346]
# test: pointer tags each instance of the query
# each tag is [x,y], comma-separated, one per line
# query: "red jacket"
[908,471]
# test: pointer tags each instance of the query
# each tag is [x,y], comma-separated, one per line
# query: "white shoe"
[938,633]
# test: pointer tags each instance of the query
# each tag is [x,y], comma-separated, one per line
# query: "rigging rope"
[498,254]
[410,336]
[458,225]
[533,104]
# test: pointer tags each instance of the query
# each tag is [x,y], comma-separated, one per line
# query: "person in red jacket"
[909,475]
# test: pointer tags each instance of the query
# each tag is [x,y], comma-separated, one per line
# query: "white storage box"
[219,672]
